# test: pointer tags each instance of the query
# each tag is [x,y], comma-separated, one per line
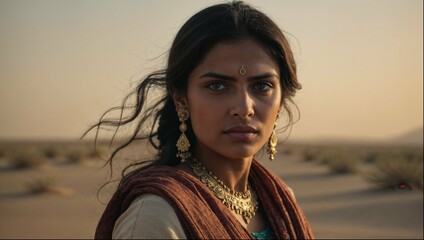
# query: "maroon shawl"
[202,215]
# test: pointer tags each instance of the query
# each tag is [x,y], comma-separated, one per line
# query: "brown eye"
[262,86]
[216,86]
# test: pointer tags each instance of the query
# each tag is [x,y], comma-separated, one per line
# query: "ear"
[180,100]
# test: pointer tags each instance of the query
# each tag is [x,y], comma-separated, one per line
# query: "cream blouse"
[148,216]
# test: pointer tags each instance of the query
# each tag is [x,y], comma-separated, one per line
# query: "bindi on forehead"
[242,70]
[221,76]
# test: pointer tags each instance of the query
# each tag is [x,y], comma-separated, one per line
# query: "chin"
[241,153]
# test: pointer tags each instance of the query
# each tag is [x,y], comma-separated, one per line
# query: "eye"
[216,86]
[262,86]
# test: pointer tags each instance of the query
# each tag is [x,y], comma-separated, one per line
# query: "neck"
[233,172]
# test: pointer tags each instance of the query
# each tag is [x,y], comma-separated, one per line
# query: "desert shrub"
[416,155]
[53,152]
[287,151]
[95,153]
[91,153]
[76,155]
[24,159]
[340,160]
[370,157]
[85,153]
[311,154]
[8,153]
[397,172]
[47,185]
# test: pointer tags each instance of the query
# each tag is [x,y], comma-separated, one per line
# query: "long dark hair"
[218,23]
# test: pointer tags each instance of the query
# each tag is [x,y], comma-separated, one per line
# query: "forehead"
[228,57]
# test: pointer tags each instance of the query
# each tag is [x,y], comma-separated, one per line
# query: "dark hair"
[218,23]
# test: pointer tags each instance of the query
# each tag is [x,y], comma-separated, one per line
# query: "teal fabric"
[265,234]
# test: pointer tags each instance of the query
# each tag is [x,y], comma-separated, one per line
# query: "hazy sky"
[62,63]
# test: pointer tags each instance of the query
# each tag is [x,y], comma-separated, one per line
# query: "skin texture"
[233,115]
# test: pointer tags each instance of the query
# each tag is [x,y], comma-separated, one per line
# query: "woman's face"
[234,97]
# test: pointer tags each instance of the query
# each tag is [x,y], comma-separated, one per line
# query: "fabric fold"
[202,215]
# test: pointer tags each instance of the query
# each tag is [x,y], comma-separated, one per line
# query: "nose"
[242,105]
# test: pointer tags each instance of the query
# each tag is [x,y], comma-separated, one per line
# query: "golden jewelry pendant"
[242,203]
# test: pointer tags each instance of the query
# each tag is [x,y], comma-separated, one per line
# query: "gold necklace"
[242,203]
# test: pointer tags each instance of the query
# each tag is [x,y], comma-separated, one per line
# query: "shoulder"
[148,216]
[259,168]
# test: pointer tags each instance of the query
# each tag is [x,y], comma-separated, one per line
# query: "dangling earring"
[272,142]
[183,144]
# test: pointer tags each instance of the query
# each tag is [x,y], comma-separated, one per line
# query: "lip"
[241,132]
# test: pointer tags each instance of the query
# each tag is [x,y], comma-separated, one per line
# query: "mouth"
[241,132]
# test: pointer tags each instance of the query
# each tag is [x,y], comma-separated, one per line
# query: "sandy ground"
[338,206]
[346,206]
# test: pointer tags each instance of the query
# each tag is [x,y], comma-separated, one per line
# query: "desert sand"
[337,205]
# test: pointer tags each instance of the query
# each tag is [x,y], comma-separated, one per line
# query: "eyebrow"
[230,78]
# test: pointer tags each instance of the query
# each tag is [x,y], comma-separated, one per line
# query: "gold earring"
[272,142]
[183,144]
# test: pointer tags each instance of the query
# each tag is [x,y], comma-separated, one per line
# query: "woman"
[230,74]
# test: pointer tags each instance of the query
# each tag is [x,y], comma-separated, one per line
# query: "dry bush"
[287,151]
[340,160]
[397,172]
[47,185]
[76,155]
[416,155]
[96,153]
[53,152]
[311,154]
[99,152]
[84,153]
[371,157]
[92,154]
[27,159]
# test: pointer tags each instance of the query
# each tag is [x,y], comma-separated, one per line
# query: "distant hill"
[410,138]
[413,137]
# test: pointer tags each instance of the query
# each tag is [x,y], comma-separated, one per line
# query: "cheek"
[205,116]
[269,114]
[271,117]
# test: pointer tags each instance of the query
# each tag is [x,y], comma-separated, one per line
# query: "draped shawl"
[202,215]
